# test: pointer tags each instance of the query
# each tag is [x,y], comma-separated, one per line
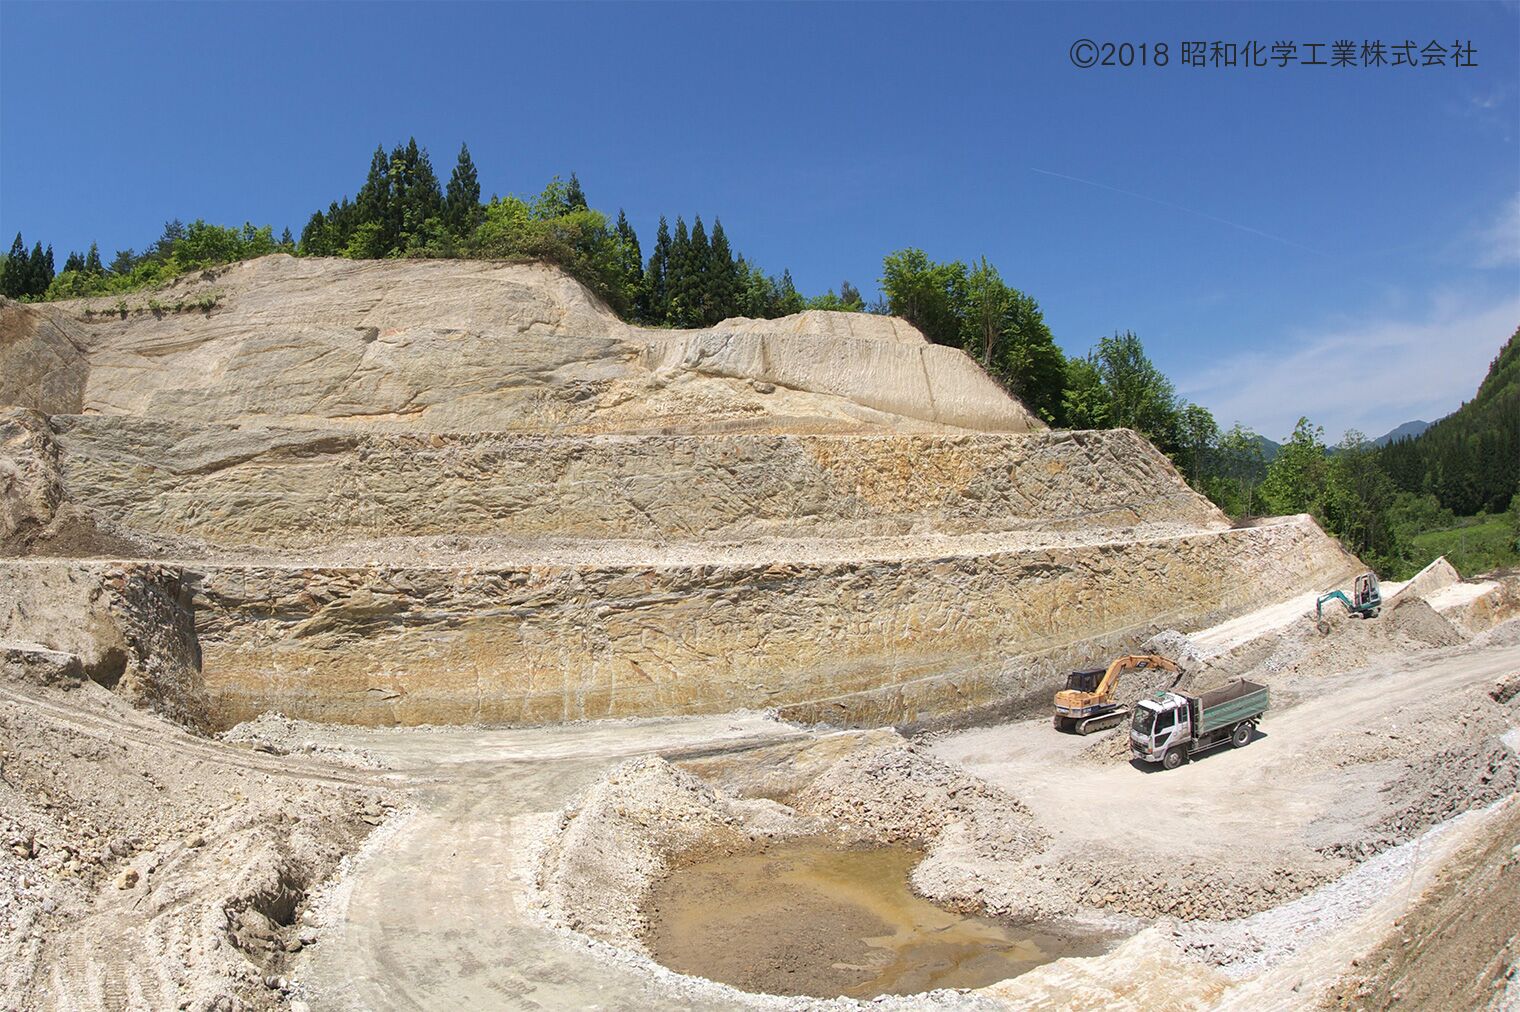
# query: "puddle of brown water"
[806,918]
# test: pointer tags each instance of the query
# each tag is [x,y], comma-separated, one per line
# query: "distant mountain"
[1269,448]
[1401,432]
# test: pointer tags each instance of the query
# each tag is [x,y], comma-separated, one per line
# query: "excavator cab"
[1365,602]
[1084,681]
[1365,593]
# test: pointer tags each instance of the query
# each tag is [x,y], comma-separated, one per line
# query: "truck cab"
[1159,725]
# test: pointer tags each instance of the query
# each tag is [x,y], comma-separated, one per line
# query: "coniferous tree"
[575,197]
[92,264]
[698,270]
[421,198]
[655,302]
[788,299]
[174,231]
[39,270]
[17,270]
[723,277]
[287,241]
[374,200]
[676,282]
[73,262]
[314,240]
[461,204]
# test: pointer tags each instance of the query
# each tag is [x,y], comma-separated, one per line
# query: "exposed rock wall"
[868,641]
[131,626]
[296,487]
[465,346]
[449,491]
[913,379]
[30,485]
[42,366]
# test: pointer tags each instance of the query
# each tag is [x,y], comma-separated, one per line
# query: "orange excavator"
[1087,703]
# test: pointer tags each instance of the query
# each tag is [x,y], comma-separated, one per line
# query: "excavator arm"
[1131,662]
[1083,712]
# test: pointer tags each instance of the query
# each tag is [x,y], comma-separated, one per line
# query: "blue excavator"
[1366,600]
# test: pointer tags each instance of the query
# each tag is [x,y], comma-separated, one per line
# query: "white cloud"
[1370,376]
[1499,244]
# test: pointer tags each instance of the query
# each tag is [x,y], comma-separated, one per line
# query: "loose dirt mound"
[143,867]
[1440,787]
[1300,647]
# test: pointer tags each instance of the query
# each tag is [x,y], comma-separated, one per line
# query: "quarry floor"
[411,851]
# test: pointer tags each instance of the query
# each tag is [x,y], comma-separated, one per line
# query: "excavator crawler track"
[1102,722]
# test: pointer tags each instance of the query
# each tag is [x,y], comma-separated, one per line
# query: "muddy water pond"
[808,918]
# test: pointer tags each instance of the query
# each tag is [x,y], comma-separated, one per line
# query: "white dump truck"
[1167,727]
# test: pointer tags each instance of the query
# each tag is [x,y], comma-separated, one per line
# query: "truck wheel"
[1241,735]
[1172,759]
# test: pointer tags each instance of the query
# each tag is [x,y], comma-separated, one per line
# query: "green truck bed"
[1230,704]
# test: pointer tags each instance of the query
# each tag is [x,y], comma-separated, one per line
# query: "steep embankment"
[451,491]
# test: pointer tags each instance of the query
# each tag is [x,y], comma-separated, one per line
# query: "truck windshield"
[1143,721]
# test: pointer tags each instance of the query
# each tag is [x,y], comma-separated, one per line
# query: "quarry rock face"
[450,491]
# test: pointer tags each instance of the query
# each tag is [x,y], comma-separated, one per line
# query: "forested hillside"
[1469,460]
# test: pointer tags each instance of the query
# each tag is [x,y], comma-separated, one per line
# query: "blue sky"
[1337,242]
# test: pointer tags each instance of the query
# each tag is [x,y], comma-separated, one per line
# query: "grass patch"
[1474,544]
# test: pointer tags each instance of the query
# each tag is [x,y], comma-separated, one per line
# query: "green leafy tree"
[1240,466]
[757,293]
[1295,481]
[174,231]
[630,260]
[987,304]
[1026,360]
[1357,500]
[928,295]
[1085,401]
[849,295]
[558,199]
[787,299]
[1198,435]
[579,241]
[1140,396]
